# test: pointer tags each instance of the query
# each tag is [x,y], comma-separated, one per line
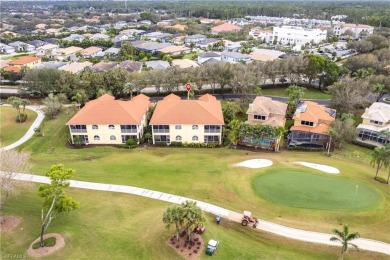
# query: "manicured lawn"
[17,56]
[10,130]
[302,189]
[209,175]
[310,93]
[119,226]
[191,55]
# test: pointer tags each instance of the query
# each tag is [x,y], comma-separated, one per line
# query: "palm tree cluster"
[20,105]
[380,157]
[186,216]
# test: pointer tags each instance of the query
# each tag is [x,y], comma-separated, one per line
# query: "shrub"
[176,144]
[22,119]
[162,144]
[300,148]
[380,179]
[48,242]
[365,145]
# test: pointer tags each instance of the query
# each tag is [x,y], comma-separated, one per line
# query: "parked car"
[211,247]
[282,80]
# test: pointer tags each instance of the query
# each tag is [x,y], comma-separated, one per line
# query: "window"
[211,138]
[111,127]
[178,127]
[96,138]
[375,122]
[112,138]
[212,129]
[194,127]
[194,138]
[307,123]
[95,127]
[128,128]
[78,128]
[162,138]
[178,138]
[127,137]
[160,128]
[259,117]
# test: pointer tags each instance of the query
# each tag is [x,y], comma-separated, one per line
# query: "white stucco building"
[289,35]
[357,29]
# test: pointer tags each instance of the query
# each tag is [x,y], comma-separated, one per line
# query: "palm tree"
[15,103]
[344,237]
[24,103]
[378,158]
[234,135]
[386,160]
[332,134]
[173,216]
[192,217]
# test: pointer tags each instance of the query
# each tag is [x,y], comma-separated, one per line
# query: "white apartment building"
[289,35]
[357,29]
[259,33]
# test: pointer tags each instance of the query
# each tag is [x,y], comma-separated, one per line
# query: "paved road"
[30,131]
[303,235]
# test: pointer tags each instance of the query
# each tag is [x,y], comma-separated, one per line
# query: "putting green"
[313,191]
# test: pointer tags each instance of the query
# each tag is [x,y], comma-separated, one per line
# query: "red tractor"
[248,219]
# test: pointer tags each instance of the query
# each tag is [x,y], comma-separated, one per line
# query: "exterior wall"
[252,120]
[105,133]
[186,132]
[233,60]
[307,139]
[340,29]
[202,60]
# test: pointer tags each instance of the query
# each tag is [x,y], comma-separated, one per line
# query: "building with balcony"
[109,121]
[191,121]
[311,125]
[375,125]
[265,111]
[293,35]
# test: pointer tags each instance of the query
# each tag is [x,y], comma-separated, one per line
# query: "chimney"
[251,107]
[298,113]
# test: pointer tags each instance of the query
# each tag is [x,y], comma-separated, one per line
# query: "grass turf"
[314,191]
[10,130]
[119,226]
[208,175]
[310,93]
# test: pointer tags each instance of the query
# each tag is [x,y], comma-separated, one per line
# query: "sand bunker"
[254,163]
[320,167]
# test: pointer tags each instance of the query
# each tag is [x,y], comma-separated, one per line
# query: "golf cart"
[211,247]
[248,219]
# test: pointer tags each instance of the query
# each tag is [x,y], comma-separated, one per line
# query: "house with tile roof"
[184,63]
[131,66]
[16,65]
[311,125]
[191,121]
[47,50]
[376,122]
[205,56]
[22,46]
[225,27]
[174,50]
[109,121]
[76,67]
[265,111]
[91,52]
[104,66]
[234,57]
[64,53]
[6,48]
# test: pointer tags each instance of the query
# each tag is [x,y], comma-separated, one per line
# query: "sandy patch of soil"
[8,223]
[189,250]
[44,251]
[320,167]
[254,163]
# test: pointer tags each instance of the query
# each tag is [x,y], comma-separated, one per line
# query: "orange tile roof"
[321,128]
[172,110]
[13,69]
[106,110]
[226,27]
[314,113]
[24,60]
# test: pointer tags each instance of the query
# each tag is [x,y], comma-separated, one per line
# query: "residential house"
[174,50]
[194,39]
[145,22]
[226,27]
[151,47]
[111,53]
[76,67]
[65,53]
[131,66]
[100,36]
[6,48]
[191,121]
[40,26]
[120,25]
[265,111]
[27,61]
[205,56]
[239,21]
[91,52]
[48,50]
[50,65]
[109,121]
[74,29]
[210,21]
[376,122]
[74,37]
[104,66]
[37,43]
[54,31]
[232,46]
[22,46]
[157,36]
[234,57]
[157,64]
[178,40]
[311,125]
[212,61]
[207,43]
[184,63]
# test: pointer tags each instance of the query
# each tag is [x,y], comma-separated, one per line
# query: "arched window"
[178,138]
[194,138]
[111,127]
[113,138]
[194,127]
[96,138]
[95,127]
[178,127]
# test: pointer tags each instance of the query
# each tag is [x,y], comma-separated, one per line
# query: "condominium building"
[291,35]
